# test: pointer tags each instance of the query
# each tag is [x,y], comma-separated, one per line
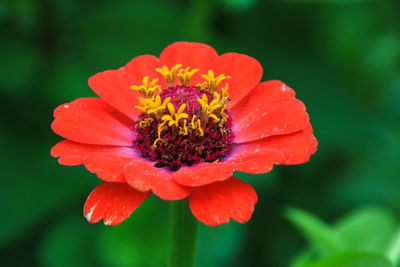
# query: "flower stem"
[183,235]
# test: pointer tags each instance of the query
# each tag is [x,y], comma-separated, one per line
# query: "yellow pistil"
[175,116]
[147,90]
[212,81]
[195,125]
[185,75]
[153,106]
[184,129]
[161,127]
[208,109]
[169,75]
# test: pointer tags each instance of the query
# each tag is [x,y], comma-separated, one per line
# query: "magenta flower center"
[185,143]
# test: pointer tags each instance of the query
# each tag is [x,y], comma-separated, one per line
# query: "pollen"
[183,124]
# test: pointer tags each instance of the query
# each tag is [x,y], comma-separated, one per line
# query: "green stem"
[183,235]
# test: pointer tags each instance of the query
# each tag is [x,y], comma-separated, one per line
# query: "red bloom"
[179,126]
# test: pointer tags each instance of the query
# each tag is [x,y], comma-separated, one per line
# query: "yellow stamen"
[147,90]
[185,75]
[153,106]
[169,75]
[157,107]
[222,97]
[175,116]
[212,81]
[208,109]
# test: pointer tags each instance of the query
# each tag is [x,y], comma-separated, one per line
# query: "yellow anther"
[202,86]
[212,81]
[185,75]
[147,90]
[175,116]
[184,129]
[209,109]
[169,75]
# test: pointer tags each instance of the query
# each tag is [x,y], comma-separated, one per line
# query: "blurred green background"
[341,56]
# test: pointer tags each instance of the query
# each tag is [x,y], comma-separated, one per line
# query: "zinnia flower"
[179,126]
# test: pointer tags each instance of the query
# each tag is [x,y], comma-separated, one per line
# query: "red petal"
[270,109]
[296,148]
[92,121]
[216,203]
[256,160]
[142,66]
[113,86]
[204,173]
[244,73]
[72,153]
[194,55]
[143,176]
[243,159]
[112,202]
[109,166]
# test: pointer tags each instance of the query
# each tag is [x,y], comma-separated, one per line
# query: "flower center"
[183,124]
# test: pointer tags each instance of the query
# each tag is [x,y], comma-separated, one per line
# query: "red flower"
[168,126]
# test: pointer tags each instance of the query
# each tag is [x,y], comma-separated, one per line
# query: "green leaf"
[316,232]
[354,259]
[393,252]
[303,259]
[367,229]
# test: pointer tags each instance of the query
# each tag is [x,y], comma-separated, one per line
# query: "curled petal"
[216,203]
[112,202]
